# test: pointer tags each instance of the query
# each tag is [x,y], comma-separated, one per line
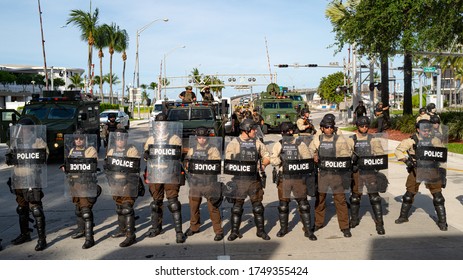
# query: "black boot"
[258,211]
[88,219]
[176,209]
[375,201]
[121,230]
[283,213]
[354,210]
[156,218]
[235,219]
[129,217]
[25,235]
[407,201]
[39,216]
[80,225]
[304,213]
[439,205]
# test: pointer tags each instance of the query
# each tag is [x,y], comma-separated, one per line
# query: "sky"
[221,37]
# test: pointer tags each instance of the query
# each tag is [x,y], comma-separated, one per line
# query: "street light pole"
[137,68]
[164,62]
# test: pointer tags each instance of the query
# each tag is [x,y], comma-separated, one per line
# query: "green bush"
[405,124]
[416,100]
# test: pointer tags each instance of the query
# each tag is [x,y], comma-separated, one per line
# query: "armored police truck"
[63,113]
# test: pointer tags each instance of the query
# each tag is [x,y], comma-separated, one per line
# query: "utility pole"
[43,48]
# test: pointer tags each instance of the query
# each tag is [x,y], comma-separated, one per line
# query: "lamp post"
[164,62]
[344,90]
[137,68]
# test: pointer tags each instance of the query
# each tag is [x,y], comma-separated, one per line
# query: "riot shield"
[334,165]
[164,153]
[28,145]
[372,162]
[431,155]
[80,165]
[122,166]
[297,172]
[203,164]
[241,174]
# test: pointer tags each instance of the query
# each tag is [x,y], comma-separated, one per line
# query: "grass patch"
[455,148]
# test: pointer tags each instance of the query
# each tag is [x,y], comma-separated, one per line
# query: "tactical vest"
[327,148]
[112,126]
[202,154]
[248,150]
[289,151]
[362,147]
[77,153]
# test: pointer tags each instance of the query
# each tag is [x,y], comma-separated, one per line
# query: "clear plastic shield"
[80,165]
[431,155]
[203,165]
[28,144]
[372,163]
[165,153]
[297,167]
[335,165]
[122,166]
[241,177]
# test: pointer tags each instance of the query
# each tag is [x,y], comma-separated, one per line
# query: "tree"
[328,85]
[87,24]
[144,93]
[153,86]
[6,78]
[24,80]
[101,42]
[76,81]
[111,80]
[121,47]
[58,82]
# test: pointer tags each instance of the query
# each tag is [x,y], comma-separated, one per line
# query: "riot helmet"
[79,131]
[26,121]
[329,116]
[111,117]
[434,119]
[304,111]
[286,127]
[202,131]
[247,125]
[363,120]
[161,117]
[79,137]
[422,110]
[431,107]
[423,124]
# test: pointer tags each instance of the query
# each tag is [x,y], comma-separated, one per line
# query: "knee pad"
[408,197]
[304,206]
[237,209]
[156,205]
[22,210]
[283,207]
[375,198]
[355,199]
[258,208]
[37,211]
[438,198]
[127,209]
[119,209]
[86,213]
[174,205]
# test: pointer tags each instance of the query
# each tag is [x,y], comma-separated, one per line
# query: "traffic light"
[282,65]
[312,65]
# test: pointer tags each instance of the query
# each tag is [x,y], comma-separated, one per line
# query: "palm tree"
[76,81]
[101,41]
[153,86]
[87,23]
[144,93]
[111,79]
[114,41]
[121,47]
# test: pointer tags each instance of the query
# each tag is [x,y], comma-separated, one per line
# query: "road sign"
[429,69]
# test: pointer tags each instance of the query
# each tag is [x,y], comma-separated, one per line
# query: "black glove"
[410,165]
[355,168]
[146,155]
[9,158]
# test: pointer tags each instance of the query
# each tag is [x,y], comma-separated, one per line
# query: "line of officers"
[309,164]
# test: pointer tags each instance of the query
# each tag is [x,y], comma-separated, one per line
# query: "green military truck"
[62,113]
[274,108]
[212,115]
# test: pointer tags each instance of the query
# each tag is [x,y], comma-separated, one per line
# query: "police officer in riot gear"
[110,126]
[292,152]
[422,115]
[250,156]
[204,151]
[423,169]
[366,176]
[164,174]
[304,123]
[122,167]
[333,155]
[28,152]
[81,158]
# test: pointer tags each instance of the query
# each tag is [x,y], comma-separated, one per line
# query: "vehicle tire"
[128,125]
[265,129]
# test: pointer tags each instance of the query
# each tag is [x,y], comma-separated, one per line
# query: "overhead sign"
[429,69]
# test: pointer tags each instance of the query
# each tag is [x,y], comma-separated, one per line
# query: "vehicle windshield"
[286,105]
[105,114]
[158,107]
[52,113]
[178,115]
[201,114]
[296,97]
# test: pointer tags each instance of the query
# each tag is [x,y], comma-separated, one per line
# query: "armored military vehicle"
[274,108]
[63,113]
